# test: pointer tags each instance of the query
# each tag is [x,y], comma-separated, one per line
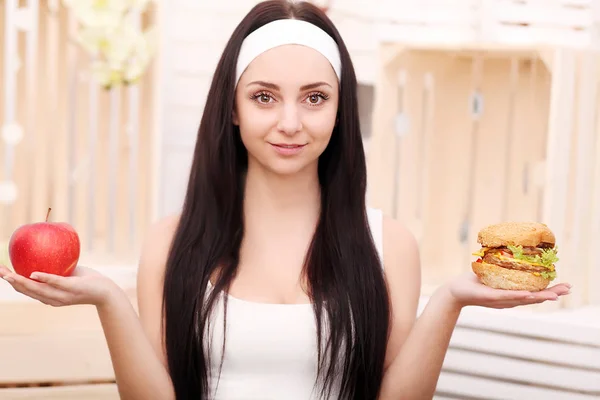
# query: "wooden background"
[87,153]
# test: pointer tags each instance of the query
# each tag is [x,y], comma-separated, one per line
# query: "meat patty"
[529,251]
[492,258]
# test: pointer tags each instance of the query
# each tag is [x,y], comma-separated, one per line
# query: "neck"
[283,198]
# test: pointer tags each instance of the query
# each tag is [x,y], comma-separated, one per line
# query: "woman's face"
[286,107]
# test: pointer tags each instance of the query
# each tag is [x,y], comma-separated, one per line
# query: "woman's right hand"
[84,286]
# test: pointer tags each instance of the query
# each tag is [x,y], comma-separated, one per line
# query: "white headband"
[288,31]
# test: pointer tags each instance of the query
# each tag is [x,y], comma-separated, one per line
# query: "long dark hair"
[344,272]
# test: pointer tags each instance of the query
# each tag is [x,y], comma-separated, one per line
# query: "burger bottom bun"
[509,279]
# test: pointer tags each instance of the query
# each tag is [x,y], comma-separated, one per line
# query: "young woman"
[276,281]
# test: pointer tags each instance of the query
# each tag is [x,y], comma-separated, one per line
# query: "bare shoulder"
[162,229]
[150,280]
[157,243]
[401,249]
[402,268]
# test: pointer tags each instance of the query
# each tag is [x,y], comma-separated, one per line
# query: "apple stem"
[47,215]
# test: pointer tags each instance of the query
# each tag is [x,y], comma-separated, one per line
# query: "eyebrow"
[275,87]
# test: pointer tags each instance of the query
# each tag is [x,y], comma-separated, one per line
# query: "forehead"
[291,64]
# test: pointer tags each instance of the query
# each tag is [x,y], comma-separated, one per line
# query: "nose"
[289,120]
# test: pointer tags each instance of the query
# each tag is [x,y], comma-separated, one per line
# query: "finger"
[4,271]
[524,298]
[42,299]
[560,289]
[520,295]
[510,295]
[544,295]
[565,284]
[18,287]
[39,291]
[524,302]
[56,281]
[512,304]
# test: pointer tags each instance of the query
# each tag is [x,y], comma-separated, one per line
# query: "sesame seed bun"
[527,234]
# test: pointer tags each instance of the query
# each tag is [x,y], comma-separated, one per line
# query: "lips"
[287,149]
[288,146]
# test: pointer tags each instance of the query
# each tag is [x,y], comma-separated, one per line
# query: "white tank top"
[271,349]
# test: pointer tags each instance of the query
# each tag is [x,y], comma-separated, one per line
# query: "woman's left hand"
[467,290]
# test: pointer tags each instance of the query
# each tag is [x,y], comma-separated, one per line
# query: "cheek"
[253,123]
[321,126]
[251,134]
[253,131]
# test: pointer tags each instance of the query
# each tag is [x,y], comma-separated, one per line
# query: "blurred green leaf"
[4,258]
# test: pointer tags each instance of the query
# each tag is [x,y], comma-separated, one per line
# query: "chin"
[284,166]
[289,167]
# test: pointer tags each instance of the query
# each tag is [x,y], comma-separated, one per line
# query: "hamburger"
[516,256]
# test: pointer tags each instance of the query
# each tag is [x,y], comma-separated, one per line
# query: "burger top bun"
[528,234]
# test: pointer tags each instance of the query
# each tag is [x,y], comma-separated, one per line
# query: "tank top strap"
[375,218]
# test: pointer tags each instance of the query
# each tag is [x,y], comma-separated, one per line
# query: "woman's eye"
[264,98]
[314,98]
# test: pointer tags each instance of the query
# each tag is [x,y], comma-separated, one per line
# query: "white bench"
[519,354]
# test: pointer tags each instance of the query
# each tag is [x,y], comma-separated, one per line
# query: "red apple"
[51,247]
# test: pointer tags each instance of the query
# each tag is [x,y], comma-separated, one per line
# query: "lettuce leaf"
[547,259]
[548,275]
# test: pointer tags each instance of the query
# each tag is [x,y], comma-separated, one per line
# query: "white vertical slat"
[43,123]
[52,62]
[427,118]
[113,159]
[133,136]
[10,80]
[466,231]
[164,20]
[537,169]
[594,237]
[72,110]
[594,10]
[93,91]
[510,133]
[579,243]
[559,143]
[558,155]
[31,65]
[400,131]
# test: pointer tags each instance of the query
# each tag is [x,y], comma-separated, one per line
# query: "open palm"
[467,290]
[84,286]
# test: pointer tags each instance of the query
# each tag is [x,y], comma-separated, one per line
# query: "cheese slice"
[504,258]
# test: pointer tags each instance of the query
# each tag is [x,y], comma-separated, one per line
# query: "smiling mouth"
[288,146]
[288,150]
